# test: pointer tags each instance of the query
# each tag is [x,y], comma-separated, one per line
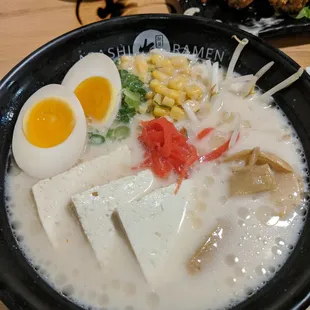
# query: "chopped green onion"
[131,95]
[132,103]
[96,139]
[118,133]
[121,132]
[132,82]
[110,134]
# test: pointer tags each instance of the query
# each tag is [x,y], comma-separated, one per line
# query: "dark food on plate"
[290,6]
[147,181]
[239,4]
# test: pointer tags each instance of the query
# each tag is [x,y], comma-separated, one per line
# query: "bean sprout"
[287,82]
[235,56]
[251,85]
[264,69]
[191,115]
[236,132]
[239,79]
[215,73]
[209,67]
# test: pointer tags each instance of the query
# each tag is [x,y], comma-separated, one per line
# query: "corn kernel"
[141,67]
[159,76]
[163,90]
[149,102]
[176,83]
[160,111]
[178,96]
[179,61]
[157,99]
[149,95]
[183,77]
[168,102]
[182,97]
[126,65]
[126,62]
[141,64]
[153,84]
[193,91]
[166,63]
[145,77]
[186,71]
[167,70]
[151,67]
[177,113]
[173,94]
[157,59]
[125,58]
[143,108]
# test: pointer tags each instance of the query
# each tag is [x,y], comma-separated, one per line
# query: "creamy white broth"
[254,246]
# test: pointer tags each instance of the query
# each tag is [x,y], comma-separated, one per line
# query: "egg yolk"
[49,123]
[95,95]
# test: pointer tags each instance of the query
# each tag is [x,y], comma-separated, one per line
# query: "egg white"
[43,163]
[97,64]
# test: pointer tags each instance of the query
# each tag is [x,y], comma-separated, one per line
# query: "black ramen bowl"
[20,285]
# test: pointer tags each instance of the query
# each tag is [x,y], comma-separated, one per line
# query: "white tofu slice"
[152,225]
[53,196]
[95,207]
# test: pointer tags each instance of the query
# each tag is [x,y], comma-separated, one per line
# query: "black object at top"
[252,17]
[20,286]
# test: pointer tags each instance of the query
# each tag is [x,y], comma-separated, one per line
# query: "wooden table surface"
[27,24]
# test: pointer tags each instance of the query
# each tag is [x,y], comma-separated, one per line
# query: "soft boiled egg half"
[96,82]
[50,132]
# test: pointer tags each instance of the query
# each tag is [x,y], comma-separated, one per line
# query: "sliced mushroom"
[256,180]
[252,161]
[274,161]
[254,157]
[288,192]
[243,155]
[204,253]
